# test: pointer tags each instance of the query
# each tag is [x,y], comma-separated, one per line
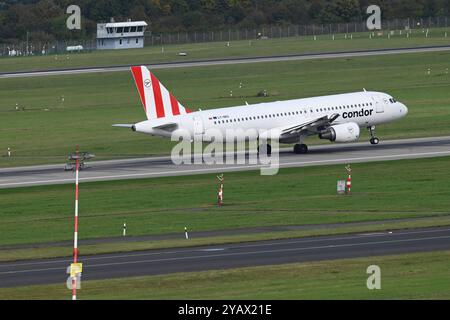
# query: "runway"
[260,253]
[163,166]
[227,61]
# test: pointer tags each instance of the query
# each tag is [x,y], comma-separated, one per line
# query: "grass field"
[411,276]
[215,50]
[384,190]
[49,128]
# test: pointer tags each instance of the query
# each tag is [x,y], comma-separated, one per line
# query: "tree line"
[45,20]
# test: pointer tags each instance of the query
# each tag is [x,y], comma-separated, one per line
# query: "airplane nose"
[403,110]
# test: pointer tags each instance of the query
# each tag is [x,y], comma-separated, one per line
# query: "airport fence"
[292,31]
[25,48]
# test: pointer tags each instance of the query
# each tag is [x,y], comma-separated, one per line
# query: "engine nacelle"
[345,132]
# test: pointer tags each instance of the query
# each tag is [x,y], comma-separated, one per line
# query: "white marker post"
[124,229]
[9,152]
[186,233]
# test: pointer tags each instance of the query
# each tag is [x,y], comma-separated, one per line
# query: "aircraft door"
[199,128]
[379,105]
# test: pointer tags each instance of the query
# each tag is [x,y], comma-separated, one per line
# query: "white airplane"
[336,118]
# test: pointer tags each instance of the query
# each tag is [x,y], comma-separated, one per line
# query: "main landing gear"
[373,139]
[267,147]
[300,148]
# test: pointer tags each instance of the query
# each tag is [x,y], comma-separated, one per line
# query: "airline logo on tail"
[157,101]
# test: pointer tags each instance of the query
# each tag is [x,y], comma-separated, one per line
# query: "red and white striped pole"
[349,183]
[220,192]
[349,179]
[220,196]
[75,236]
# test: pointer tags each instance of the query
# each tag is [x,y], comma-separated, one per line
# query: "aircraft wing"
[310,127]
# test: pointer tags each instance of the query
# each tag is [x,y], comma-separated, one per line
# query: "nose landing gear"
[373,139]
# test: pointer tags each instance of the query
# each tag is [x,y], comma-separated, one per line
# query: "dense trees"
[45,19]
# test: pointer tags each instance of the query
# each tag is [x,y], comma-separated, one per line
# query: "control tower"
[121,35]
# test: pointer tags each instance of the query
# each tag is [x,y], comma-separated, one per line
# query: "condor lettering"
[354,114]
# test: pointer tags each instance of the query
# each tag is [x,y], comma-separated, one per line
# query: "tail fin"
[157,101]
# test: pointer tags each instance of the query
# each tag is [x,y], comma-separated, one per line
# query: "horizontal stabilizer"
[123,125]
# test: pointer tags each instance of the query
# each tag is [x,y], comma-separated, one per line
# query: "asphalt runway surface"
[167,261]
[163,166]
[227,61]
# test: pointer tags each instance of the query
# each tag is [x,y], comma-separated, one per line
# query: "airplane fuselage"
[366,109]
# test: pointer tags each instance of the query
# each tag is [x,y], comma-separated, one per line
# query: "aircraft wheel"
[300,148]
[374,141]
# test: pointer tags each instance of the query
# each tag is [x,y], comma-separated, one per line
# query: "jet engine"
[345,132]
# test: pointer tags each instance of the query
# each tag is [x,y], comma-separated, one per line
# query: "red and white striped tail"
[157,101]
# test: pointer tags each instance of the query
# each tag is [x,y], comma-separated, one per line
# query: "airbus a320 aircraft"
[337,118]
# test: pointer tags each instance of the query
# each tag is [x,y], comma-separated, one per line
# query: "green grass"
[380,191]
[46,252]
[409,276]
[48,129]
[215,50]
